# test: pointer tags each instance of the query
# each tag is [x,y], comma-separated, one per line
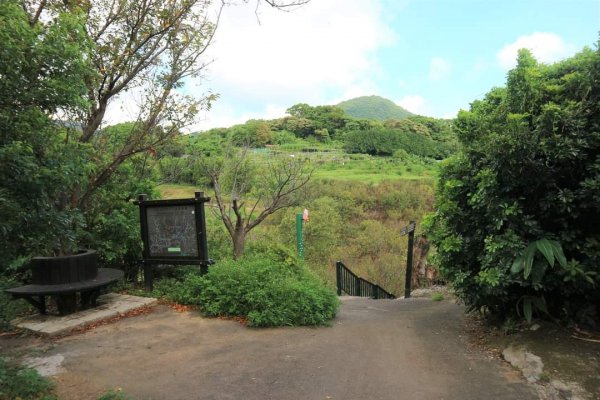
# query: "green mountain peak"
[373,107]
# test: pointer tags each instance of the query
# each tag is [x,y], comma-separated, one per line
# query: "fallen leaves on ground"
[133,313]
[182,307]
[241,320]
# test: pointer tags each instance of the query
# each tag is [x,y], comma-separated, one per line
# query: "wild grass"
[177,191]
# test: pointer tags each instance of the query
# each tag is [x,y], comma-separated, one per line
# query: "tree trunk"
[239,243]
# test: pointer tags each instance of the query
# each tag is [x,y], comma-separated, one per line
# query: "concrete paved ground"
[109,305]
[377,349]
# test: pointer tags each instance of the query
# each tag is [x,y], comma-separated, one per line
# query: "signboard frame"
[201,256]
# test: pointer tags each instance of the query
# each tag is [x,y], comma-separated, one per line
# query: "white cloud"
[439,69]
[546,47]
[315,54]
[415,104]
[325,42]
[450,115]
[223,115]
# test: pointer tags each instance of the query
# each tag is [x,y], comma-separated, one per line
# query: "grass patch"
[177,191]
[437,297]
[17,382]
[374,170]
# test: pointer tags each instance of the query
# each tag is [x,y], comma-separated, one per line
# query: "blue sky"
[433,57]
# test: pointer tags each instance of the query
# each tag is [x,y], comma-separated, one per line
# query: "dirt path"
[386,349]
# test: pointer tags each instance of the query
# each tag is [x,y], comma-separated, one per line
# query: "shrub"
[524,192]
[17,382]
[267,292]
[10,308]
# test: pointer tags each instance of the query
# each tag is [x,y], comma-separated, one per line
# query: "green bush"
[267,292]
[10,308]
[516,226]
[17,382]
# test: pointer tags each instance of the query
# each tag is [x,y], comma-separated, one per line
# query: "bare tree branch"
[274,187]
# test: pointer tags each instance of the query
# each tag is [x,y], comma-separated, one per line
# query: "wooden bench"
[65,293]
[64,277]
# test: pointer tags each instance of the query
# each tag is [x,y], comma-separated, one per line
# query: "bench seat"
[65,292]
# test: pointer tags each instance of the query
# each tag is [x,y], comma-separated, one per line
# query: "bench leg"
[85,300]
[89,298]
[66,303]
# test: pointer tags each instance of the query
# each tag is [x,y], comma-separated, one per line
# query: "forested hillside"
[373,107]
[368,178]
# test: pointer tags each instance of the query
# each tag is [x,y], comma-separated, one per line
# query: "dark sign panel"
[172,231]
[410,228]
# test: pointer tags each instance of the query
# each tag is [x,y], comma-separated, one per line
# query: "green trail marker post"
[299,235]
[410,230]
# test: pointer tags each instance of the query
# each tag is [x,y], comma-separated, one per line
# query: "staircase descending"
[351,284]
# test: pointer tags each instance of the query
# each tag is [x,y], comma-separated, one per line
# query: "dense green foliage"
[373,107]
[516,226]
[385,141]
[308,127]
[266,292]
[17,382]
[69,185]
[38,163]
[41,161]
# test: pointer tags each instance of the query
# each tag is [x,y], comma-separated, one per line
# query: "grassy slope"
[373,170]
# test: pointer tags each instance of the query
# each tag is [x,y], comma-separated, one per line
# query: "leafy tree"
[301,127]
[407,125]
[517,208]
[146,49]
[384,141]
[247,193]
[306,120]
[254,133]
[73,60]
[439,129]
[42,72]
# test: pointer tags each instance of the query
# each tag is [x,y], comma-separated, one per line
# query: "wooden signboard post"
[410,230]
[173,232]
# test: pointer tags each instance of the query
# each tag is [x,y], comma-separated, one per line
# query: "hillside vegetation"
[373,107]
[364,186]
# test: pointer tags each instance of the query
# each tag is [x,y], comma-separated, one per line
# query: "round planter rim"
[80,253]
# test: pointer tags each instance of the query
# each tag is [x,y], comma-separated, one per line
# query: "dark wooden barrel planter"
[63,277]
[78,267]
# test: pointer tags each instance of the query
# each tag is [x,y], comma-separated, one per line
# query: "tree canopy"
[517,217]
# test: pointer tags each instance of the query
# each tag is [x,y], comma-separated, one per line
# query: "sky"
[432,57]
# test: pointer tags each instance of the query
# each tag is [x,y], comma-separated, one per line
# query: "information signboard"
[173,232]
